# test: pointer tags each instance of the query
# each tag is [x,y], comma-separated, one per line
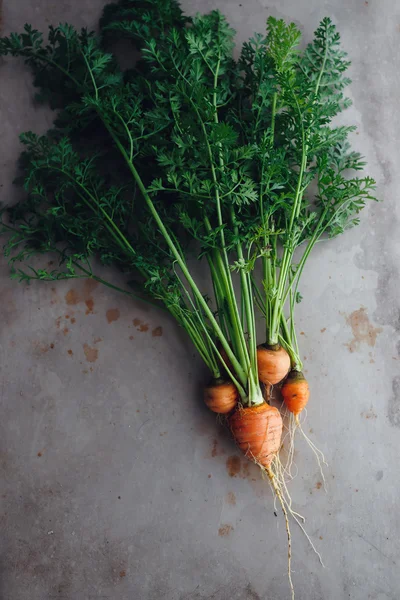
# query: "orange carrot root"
[257,431]
[295,392]
[273,364]
[221,396]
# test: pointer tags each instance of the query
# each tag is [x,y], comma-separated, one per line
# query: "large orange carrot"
[273,363]
[221,396]
[257,431]
[295,392]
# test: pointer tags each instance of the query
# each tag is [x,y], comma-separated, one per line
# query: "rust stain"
[40,454]
[73,320]
[363,331]
[157,331]
[209,476]
[215,450]
[65,330]
[323,330]
[231,499]
[70,352]
[123,572]
[225,530]
[40,347]
[233,465]
[140,325]
[369,414]
[72,297]
[90,305]
[58,322]
[318,485]
[90,353]
[112,314]
[52,346]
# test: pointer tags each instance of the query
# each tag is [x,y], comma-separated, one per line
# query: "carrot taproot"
[221,396]
[295,392]
[273,363]
[257,431]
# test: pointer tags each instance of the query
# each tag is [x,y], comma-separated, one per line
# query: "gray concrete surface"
[116,483]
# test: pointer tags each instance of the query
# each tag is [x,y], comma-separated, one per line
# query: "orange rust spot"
[225,530]
[323,330]
[112,314]
[230,498]
[67,316]
[90,305]
[320,537]
[302,333]
[65,330]
[363,331]
[233,465]
[157,331]
[140,325]
[40,454]
[209,476]
[90,353]
[58,322]
[70,352]
[73,320]
[52,346]
[370,414]
[72,297]
[122,573]
[318,485]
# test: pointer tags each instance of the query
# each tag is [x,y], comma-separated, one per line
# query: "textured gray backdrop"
[116,483]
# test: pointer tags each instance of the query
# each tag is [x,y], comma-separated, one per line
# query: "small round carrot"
[273,363]
[257,431]
[295,392]
[221,396]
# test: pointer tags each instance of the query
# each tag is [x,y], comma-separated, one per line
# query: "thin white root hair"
[288,445]
[275,484]
[288,503]
[280,473]
[319,455]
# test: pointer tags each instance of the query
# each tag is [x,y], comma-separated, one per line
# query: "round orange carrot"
[273,364]
[295,392]
[257,431]
[220,396]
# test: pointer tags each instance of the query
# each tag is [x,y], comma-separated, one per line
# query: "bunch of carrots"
[191,153]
